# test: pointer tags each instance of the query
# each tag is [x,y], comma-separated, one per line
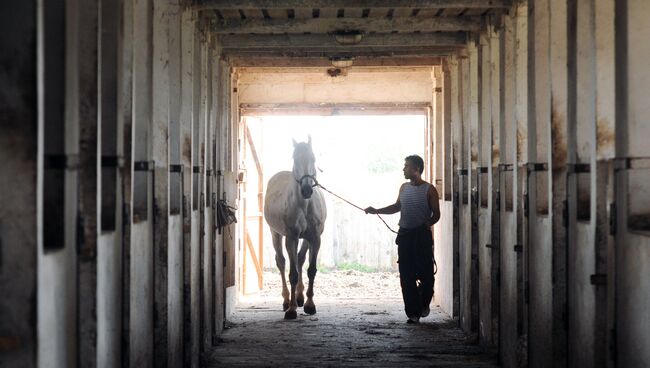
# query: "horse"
[294,208]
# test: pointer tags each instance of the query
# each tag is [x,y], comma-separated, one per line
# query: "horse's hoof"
[310,309]
[300,300]
[285,306]
[291,314]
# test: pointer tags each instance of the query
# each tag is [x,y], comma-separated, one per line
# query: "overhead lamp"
[348,37]
[342,61]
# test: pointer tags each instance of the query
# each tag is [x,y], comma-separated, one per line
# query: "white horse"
[295,208]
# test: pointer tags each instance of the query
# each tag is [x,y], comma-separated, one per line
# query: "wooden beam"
[340,4]
[377,52]
[328,109]
[326,41]
[328,25]
[320,62]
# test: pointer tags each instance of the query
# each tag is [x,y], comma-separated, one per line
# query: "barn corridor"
[360,323]
[132,227]
[344,333]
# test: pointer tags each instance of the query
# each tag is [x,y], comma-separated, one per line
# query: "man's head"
[413,166]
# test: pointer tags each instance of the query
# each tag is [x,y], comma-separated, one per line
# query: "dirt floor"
[359,322]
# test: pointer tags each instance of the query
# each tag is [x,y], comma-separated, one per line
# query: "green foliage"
[345,266]
[384,164]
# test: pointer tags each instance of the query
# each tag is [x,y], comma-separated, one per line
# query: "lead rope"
[350,203]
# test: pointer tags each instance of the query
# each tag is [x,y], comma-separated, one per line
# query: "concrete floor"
[358,332]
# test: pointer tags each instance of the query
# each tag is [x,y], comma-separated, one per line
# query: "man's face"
[410,170]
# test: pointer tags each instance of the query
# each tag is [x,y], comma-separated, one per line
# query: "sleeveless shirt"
[415,209]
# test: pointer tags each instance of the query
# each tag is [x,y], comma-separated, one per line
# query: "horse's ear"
[294,142]
[309,140]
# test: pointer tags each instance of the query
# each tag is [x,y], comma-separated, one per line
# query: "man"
[418,206]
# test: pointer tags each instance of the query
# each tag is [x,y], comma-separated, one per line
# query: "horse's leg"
[280,261]
[291,244]
[310,307]
[300,298]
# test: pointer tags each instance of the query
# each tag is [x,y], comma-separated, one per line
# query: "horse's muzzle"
[306,191]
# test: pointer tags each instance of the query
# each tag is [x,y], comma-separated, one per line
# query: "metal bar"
[143,166]
[176,168]
[578,168]
[61,162]
[112,161]
[532,166]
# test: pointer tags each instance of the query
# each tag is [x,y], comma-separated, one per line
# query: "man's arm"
[388,210]
[432,196]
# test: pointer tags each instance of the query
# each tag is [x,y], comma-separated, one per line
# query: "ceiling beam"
[354,52]
[341,4]
[329,109]
[327,41]
[321,62]
[328,25]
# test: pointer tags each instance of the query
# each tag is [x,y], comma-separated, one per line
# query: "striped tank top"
[415,209]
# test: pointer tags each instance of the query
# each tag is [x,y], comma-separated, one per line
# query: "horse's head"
[304,167]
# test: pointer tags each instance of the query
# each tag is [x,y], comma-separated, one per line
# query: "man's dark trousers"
[415,252]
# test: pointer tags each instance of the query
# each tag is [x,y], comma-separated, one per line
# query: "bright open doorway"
[360,158]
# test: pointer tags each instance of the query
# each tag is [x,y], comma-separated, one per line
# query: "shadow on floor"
[352,332]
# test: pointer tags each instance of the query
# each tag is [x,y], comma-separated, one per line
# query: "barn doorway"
[360,158]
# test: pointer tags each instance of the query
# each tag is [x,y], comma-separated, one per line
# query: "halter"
[312,177]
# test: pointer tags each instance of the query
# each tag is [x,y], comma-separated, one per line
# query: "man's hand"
[371,210]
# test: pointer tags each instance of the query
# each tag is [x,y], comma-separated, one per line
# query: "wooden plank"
[279,14]
[368,52]
[323,41]
[427,13]
[326,25]
[249,139]
[230,13]
[340,4]
[453,12]
[475,12]
[327,109]
[353,13]
[325,62]
[402,12]
[378,12]
[253,14]
[258,265]
[328,12]
[303,13]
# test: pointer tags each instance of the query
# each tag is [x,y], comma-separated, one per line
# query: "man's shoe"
[426,311]
[412,320]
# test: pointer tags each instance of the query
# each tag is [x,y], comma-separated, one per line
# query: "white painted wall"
[273,85]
